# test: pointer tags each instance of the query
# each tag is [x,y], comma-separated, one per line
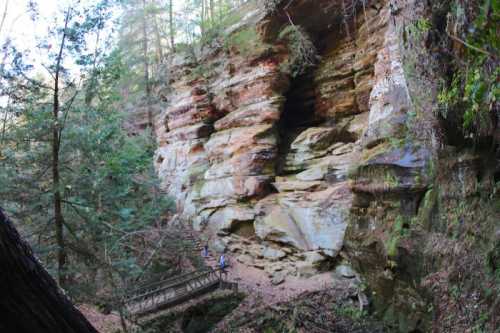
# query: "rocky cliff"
[346,161]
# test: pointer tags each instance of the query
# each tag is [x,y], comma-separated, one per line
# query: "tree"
[56,142]
[31,300]
[71,42]
[171,24]
[145,56]
[107,179]
[70,121]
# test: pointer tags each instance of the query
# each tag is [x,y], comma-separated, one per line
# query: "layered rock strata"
[241,159]
[295,174]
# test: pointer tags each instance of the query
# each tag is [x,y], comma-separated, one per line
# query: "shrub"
[302,52]
[473,91]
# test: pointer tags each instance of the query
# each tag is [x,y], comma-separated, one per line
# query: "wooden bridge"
[169,292]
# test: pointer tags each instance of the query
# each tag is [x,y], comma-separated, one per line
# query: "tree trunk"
[4,124]
[145,49]
[171,24]
[159,51]
[56,143]
[220,9]
[212,10]
[92,85]
[30,299]
[202,25]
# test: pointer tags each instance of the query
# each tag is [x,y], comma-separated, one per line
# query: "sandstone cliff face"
[248,147]
[328,166]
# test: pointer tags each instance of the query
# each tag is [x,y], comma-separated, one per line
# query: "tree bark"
[171,24]
[159,51]
[212,10]
[4,124]
[30,299]
[202,18]
[56,179]
[145,51]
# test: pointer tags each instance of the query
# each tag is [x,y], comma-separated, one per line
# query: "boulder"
[228,217]
[218,246]
[245,259]
[274,267]
[314,258]
[278,278]
[273,253]
[345,271]
[306,221]
[306,269]
[278,226]
[259,264]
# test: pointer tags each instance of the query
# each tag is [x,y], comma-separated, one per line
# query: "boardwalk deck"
[162,294]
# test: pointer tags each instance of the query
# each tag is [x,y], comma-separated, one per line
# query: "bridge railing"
[169,291]
[151,286]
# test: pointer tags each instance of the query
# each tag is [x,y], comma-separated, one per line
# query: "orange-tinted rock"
[239,148]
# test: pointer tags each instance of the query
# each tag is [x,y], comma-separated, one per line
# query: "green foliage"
[419,28]
[448,97]
[474,87]
[455,291]
[108,185]
[216,28]
[302,51]
[476,92]
[269,330]
[483,318]
[398,231]
[201,28]
[423,25]
[350,311]
[390,179]
[245,41]
[202,70]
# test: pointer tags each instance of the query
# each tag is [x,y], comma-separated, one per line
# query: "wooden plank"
[172,291]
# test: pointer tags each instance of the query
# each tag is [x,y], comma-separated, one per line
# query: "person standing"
[222,263]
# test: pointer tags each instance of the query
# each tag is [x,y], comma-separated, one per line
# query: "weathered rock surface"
[292,173]
[223,151]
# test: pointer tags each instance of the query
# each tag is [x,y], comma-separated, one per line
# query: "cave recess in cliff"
[298,113]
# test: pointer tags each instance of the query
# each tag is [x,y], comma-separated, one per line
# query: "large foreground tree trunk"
[30,300]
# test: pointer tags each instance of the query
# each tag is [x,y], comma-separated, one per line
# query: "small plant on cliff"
[419,27]
[398,232]
[350,311]
[302,52]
